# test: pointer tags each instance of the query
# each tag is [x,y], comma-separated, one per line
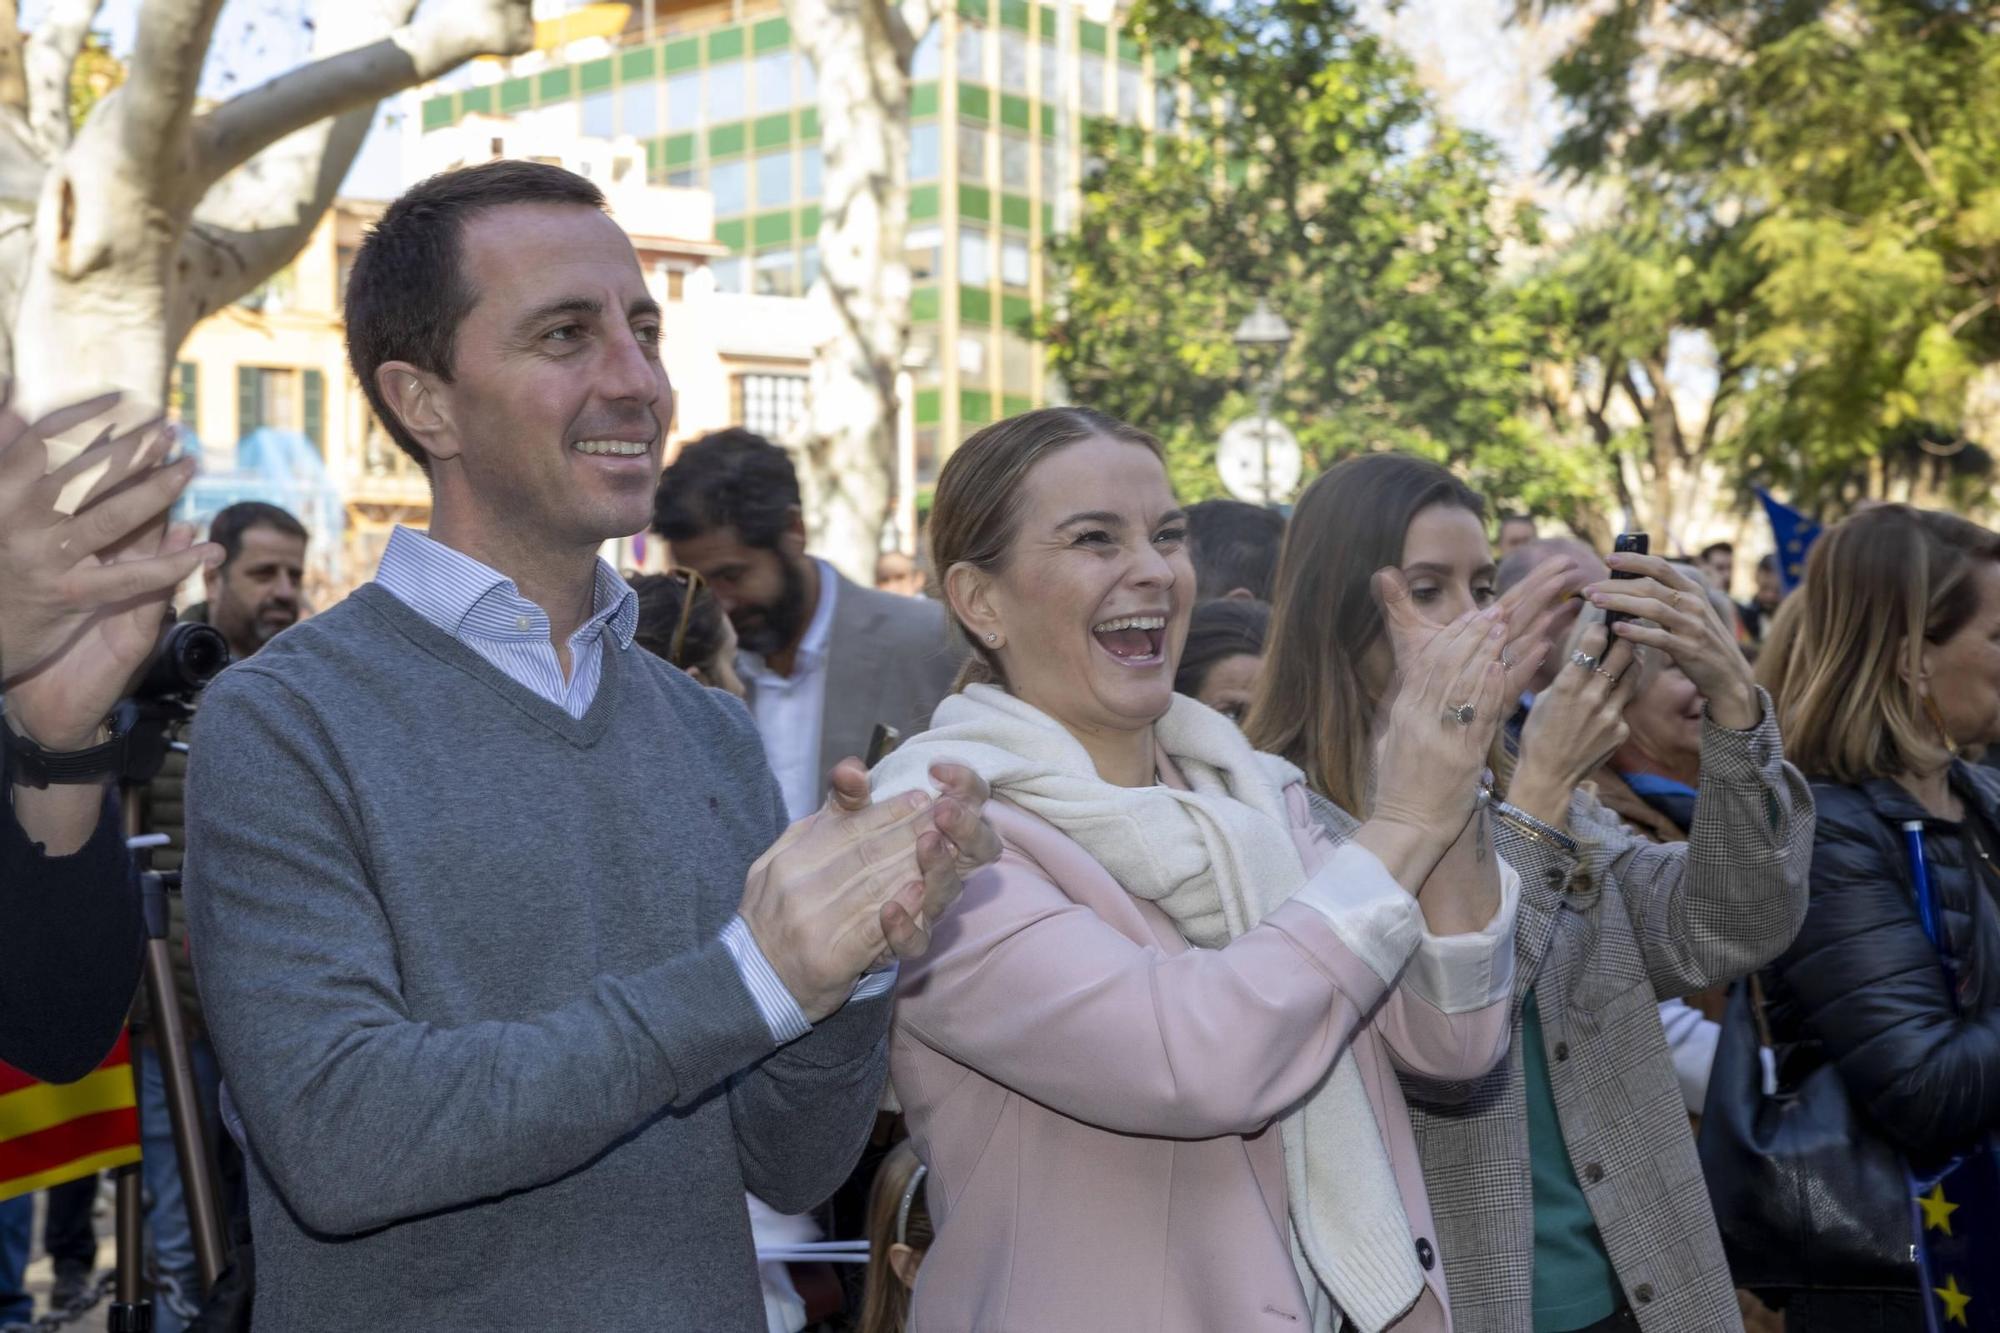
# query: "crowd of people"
[1129,916]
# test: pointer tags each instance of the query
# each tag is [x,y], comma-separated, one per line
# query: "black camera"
[187,657]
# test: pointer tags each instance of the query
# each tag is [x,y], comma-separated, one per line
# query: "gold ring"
[1676,599]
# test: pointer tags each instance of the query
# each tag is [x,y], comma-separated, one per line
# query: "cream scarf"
[1217,859]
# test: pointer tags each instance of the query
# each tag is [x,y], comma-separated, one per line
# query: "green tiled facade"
[1000,94]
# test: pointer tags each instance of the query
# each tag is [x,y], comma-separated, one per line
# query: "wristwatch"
[33,766]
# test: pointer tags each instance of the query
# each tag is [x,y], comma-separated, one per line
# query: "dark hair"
[1713,547]
[1768,565]
[660,599]
[978,498]
[732,478]
[1224,628]
[407,293]
[1314,705]
[226,529]
[1234,545]
[1514,516]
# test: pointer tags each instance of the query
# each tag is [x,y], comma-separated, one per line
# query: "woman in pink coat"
[1151,1057]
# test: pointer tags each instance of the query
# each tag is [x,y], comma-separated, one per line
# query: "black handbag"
[1806,1195]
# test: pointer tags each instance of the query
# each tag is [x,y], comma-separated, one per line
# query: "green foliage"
[1818,197]
[95,73]
[1312,172]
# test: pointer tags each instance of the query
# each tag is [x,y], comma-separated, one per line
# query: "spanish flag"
[51,1133]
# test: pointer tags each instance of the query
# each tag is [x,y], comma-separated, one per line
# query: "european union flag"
[1956,1219]
[1795,534]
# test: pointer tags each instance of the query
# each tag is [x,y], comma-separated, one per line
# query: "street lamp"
[1262,330]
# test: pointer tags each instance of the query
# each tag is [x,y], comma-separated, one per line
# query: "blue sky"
[255,40]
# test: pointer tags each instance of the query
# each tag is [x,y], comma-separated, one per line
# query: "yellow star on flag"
[1954,1300]
[1937,1212]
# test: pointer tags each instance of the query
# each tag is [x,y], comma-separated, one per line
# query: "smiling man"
[514,1000]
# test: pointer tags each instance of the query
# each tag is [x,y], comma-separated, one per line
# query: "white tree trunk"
[115,244]
[861,50]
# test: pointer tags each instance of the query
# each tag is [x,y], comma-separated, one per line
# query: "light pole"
[1264,329]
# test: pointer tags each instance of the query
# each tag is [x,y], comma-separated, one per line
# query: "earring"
[1937,720]
[993,639]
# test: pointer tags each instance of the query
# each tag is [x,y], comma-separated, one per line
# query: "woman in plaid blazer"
[1564,1183]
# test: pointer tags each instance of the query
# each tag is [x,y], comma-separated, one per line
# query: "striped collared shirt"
[484,610]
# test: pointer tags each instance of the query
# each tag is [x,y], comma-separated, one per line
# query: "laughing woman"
[1150,1059]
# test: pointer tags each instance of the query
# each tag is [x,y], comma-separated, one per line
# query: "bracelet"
[1535,828]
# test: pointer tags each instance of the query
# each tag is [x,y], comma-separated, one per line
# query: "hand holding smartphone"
[1628,543]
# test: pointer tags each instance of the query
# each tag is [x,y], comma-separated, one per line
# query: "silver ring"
[1583,659]
[1465,715]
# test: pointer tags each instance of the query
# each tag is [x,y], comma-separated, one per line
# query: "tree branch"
[155,102]
[49,57]
[415,53]
[259,216]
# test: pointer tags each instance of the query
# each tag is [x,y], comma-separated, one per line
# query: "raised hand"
[1574,726]
[1530,606]
[82,596]
[858,882]
[1450,699]
[1685,627]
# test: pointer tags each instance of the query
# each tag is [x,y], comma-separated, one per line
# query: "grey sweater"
[460,961]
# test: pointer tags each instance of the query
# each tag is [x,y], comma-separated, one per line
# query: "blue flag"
[1794,533]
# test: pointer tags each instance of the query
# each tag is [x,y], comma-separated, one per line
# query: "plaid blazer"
[1601,938]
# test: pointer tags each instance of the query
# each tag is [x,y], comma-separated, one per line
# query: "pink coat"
[1097,1100]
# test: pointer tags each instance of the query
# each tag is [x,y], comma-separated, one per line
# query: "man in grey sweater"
[517,976]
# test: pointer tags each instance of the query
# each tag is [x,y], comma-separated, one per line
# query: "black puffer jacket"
[1862,986]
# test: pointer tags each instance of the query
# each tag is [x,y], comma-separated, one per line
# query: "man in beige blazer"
[826,661]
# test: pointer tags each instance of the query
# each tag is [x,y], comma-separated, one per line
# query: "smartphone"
[884,739]
[1628,543]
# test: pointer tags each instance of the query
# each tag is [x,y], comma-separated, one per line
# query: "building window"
[683,179]
[975,257]
[1014,162]
[971,54]
[186,404]
[684,101]
[808,265]
[1166,107]
[771,405]
[924,150]
[1128,94]
[808,80]
[774,179]
[812,168]
[776,272]
[281,399]
[928,62]
[927,454]
[973,355]
[971,152]
[1013,62]
[729,182]
[1014,266]
[1052,84]
[1090,73]
[725,92]
[922,249]
[1052,167]
[1017,363]
[728,273]
[598,109]
[774,81]
[639,108]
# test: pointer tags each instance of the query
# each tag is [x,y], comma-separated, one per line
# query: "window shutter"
[249,402]
[188,406]
[315,409]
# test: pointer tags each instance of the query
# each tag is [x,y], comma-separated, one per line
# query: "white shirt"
[790,709]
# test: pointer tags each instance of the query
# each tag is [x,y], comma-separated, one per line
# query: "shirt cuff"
[1375,918]
[875,984]
[1460,974]
[781,1012]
